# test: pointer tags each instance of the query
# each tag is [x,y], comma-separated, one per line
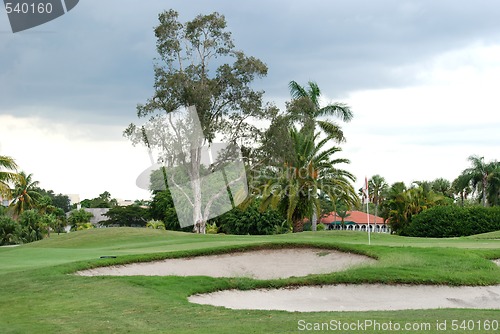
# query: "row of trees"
[24,193]
[478,184]
[31,211]
[104,200]
[291,165]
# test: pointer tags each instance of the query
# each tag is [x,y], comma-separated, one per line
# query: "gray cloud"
[97,60]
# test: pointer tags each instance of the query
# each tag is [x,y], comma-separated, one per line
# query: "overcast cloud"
[421,77]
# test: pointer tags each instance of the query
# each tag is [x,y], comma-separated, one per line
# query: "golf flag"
[366,197]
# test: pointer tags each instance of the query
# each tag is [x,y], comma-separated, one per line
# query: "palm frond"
[296,90]
[7,163]
[340,110]
[314,93]
[332,130]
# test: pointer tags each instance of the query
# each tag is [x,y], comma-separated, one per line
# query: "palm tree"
[7,174]
[377,188]
[343,214]
[479,175]
[443,187]
[9,231]
[493,195]
[25,194]
[402,204]
[305,108]
[296,187]
[461,187]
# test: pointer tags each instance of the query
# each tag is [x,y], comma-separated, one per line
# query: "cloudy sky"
[422,78]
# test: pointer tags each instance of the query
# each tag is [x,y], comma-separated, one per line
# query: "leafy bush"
[131,215]
[84,226]
[251,221]
[79,217]
[212,228]
[156,224]
[32,227]
[162,208]
[9,231]
[319,226]
[454,221]
[284,227]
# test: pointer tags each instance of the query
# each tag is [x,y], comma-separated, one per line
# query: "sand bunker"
[282,263]
[260,264]
[373,297]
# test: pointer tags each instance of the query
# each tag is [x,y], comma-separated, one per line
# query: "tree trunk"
[199,223]
[200,227]
[197,209]
[298,226]
[485,179]
[314,223]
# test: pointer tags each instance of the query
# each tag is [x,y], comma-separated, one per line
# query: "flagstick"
[366,196]
[368,218]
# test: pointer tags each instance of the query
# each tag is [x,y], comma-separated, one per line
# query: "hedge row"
[454,221]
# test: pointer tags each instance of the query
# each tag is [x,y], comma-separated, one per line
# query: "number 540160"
[477,325]
[28,8]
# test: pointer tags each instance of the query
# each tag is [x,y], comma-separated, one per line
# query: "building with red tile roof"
[355,221]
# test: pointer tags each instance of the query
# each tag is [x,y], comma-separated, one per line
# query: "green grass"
[492,235]
[38,293]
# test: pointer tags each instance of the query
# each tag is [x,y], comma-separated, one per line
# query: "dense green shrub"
[156,224]
[32,227]
[319,226]
[251,221]
[212,228]
[162,208]
[84,226]
[9,231]
[131,215]
[454,221]
[79,217]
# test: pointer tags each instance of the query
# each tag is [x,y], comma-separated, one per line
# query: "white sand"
[497,261]
[282,263]
[373,297]
[261,264]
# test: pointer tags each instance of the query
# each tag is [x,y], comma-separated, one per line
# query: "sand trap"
[260,264]
[373,297]
[497,261]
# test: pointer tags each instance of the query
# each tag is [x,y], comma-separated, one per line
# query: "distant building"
[355,221]
[74,200]
[124,202]
[98,215]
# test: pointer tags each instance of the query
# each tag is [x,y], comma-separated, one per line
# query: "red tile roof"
[355,216]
